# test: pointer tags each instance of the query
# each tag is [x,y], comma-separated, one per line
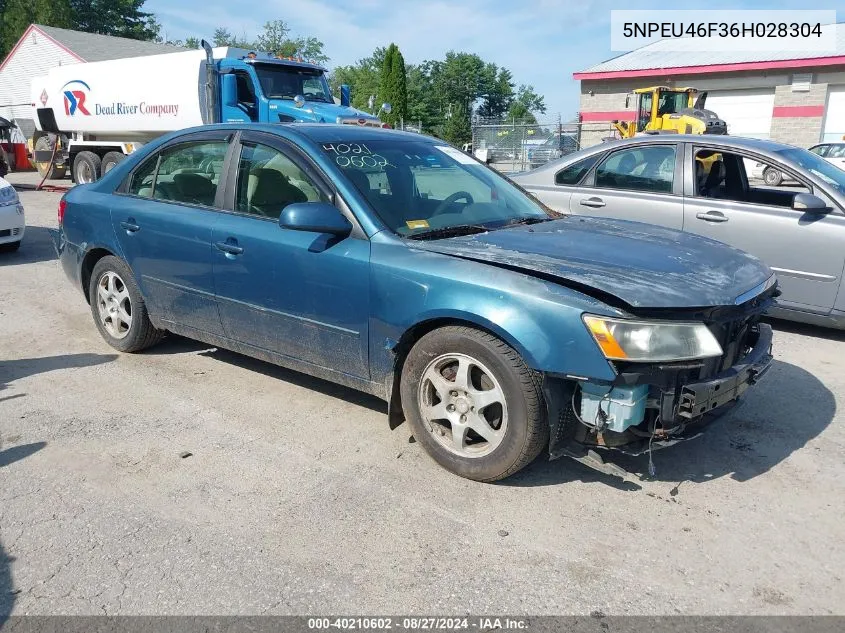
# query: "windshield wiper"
[524,221]
[449,231]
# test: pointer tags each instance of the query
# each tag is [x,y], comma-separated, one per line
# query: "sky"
[541,41]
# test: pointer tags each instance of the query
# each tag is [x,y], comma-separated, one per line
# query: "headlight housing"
[652,341]
[8,196]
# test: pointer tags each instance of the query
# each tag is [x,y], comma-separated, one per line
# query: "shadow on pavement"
[779,416]
[180,345]
[17,453]
[815,331]
[36,246]
[7,588]
[11,370]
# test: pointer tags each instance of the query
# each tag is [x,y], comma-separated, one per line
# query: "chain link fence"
[513,146]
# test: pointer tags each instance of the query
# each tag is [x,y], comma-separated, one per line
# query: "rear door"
[641,183]
[163,221]
[805,250]
[294,293]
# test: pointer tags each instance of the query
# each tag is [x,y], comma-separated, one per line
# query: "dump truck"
[661,110]
[90,116]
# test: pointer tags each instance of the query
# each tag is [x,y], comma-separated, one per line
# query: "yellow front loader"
[663,110]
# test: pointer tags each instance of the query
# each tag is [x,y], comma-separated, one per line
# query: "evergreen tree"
[393,87]
[17,15]
[121,18]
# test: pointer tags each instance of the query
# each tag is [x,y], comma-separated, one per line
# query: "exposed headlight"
[652,341]
[8,195]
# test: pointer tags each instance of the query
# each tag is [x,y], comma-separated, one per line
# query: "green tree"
[457,130]
[121,18]
[498,93]
[393,85]
[192,42]
[362,77]
[223,37]
[527,102]
[17,15]
[274,37]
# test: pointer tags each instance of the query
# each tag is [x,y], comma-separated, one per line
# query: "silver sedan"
[706,185]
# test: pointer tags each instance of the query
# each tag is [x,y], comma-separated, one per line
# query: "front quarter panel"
[540,319]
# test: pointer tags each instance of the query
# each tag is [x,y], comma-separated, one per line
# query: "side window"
[644,112]
[574,173]
[189,172]
[639,169]
[821,150]
[246,90]
[723,176]
[268,181]
[143,177]
[835,151]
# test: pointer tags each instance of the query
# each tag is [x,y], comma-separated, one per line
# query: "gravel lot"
[298,498]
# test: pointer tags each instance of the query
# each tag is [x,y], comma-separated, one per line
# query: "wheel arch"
[424,326]
[92,256]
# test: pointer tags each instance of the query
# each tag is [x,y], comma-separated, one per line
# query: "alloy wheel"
[463,405]
[114,304]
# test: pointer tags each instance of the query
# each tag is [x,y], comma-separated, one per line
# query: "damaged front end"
[652,404]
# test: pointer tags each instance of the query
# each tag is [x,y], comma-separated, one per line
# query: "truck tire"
[118,308]
[110,160]
[52,172]
[86,168]
[464,379]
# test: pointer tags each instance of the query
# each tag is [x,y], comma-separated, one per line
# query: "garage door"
[747,112]
[834,114]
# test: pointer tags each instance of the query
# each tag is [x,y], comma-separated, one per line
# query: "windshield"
[285,82]
[671,102]
[417,188]
[816,165]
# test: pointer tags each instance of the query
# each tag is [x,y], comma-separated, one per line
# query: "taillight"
[62,207]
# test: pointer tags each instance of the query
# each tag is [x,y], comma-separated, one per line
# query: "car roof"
[761,146]
[318,132]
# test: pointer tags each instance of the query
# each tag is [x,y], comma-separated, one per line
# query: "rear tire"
[86,167]
[53,172]
[118,308]
[473,403]
[772,177]
[10,246]
[110,160]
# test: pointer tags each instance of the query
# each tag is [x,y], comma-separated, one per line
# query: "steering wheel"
[452,199]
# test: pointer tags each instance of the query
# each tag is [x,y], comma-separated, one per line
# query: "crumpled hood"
[644,266]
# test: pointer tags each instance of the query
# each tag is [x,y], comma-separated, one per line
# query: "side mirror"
[314,217]
[229,90]
[345,95]
[808,203]
[627,101]
[299,101]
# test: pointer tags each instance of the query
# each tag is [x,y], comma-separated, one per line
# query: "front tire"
[772,177]
[10,246]
[473,403]
[118,308]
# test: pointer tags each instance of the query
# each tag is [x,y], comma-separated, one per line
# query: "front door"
[727,200]
[163,224]
[640,183]
[295,293]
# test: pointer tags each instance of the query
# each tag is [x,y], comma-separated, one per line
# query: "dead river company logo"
[77,101]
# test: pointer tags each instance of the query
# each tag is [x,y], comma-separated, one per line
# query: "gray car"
[706,185]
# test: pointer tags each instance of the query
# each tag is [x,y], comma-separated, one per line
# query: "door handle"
[130,225]
[229,248]
[712,216]
[593,203]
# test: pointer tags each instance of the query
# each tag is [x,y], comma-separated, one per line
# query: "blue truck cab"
[259,88]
